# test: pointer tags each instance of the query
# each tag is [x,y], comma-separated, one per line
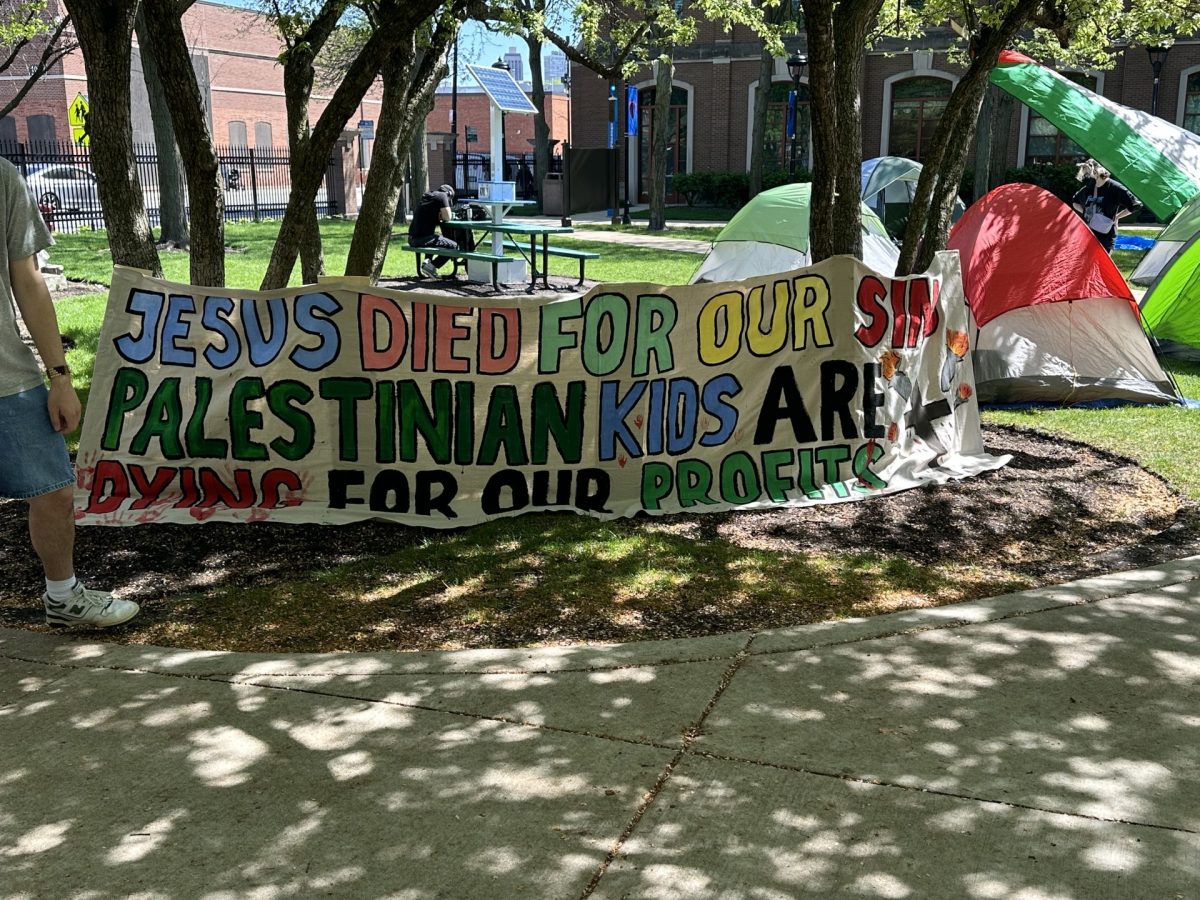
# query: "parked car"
[63,188]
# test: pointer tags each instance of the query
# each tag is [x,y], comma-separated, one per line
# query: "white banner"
[336,403]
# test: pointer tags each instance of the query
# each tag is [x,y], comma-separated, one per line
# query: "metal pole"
[795,124]
[614,145]
[566,162]
[454,124]
[253,185]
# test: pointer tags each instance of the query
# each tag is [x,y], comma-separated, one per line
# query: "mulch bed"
[1059,511]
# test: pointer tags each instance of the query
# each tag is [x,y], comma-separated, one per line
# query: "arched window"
[237,134]
[262,135]
[1045,143]
[1191,104]
[8,130]
[777,147]
[917,105]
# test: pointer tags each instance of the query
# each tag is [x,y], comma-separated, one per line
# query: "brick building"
[235,54]
[904,88]
[474,120]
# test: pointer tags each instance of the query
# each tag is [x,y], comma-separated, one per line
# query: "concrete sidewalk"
[1037,745]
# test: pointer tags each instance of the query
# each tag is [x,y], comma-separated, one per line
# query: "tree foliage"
[1063,33]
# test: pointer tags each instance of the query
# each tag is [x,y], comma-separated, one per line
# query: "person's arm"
[445,214]
[37,309]
[1129,204]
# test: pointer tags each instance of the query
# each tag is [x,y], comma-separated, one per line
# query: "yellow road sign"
[78,112]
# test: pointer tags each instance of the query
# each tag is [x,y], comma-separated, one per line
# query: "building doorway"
[677,138]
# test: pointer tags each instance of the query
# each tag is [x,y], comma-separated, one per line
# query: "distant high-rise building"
[515,64]
[554,67]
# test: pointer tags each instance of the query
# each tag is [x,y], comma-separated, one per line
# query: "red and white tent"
[1057,322]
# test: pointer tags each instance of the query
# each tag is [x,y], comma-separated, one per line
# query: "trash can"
[552,195]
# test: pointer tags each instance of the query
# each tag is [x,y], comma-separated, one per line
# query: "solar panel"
[503,90]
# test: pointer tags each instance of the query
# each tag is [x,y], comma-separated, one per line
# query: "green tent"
[770,234]
[1170,241]
[1171,308]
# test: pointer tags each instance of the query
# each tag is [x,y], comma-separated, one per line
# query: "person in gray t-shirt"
[34,465]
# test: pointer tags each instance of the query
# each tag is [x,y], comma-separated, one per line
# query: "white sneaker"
[99,609]
[428,269]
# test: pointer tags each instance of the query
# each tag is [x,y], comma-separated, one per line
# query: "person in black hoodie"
[1102,202]
[435,208]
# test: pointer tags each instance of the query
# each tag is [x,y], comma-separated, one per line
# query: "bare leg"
[52,530]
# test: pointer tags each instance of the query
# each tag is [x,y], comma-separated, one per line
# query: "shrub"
[1057,179]
[727,189]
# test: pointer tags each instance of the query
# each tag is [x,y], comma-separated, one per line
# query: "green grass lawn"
[85,257]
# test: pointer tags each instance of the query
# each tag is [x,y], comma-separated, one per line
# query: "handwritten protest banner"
[340,402]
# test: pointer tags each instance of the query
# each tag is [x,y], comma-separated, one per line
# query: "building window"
[1045,143]
[777,148]
[237,134]
[8,130]
[41,129]
[262,135]
[917,105]
[1191,104]
[677,137]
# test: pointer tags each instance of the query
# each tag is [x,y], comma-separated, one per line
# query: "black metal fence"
[472,168]
[256,181]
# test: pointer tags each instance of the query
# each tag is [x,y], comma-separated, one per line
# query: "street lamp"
[1158,58]
[501,64]
[796,66]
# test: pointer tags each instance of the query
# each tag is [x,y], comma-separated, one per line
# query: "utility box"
[498,190]
[511,272]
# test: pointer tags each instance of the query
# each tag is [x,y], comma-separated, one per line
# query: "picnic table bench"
[565,252]
[456,255]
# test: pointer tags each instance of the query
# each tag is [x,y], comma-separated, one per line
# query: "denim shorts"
[33,457]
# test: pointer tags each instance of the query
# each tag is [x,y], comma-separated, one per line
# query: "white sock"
[60,590]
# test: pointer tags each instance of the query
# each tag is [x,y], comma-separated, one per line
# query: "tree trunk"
[929,213]
[541,128]
[105,34]
[822,76]
[758,136]
[983,144]
[381,194]
[409,80]
[665,78]
[852,21]
[1002,115]
[172,217]
[169,47]
[418,156]
[397,24]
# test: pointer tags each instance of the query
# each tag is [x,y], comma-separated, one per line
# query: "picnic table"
[505,237]
[499,230]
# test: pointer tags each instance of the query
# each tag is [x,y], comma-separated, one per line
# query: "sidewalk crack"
[690,735]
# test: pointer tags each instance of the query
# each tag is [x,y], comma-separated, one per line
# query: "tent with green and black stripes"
[1159,162]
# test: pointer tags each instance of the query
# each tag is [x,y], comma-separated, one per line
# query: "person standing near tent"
[1102,202]
[38,406]
[434,209]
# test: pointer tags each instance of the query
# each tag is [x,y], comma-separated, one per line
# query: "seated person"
[434,209]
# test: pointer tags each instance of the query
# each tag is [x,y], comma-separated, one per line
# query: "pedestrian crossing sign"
[77,115]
